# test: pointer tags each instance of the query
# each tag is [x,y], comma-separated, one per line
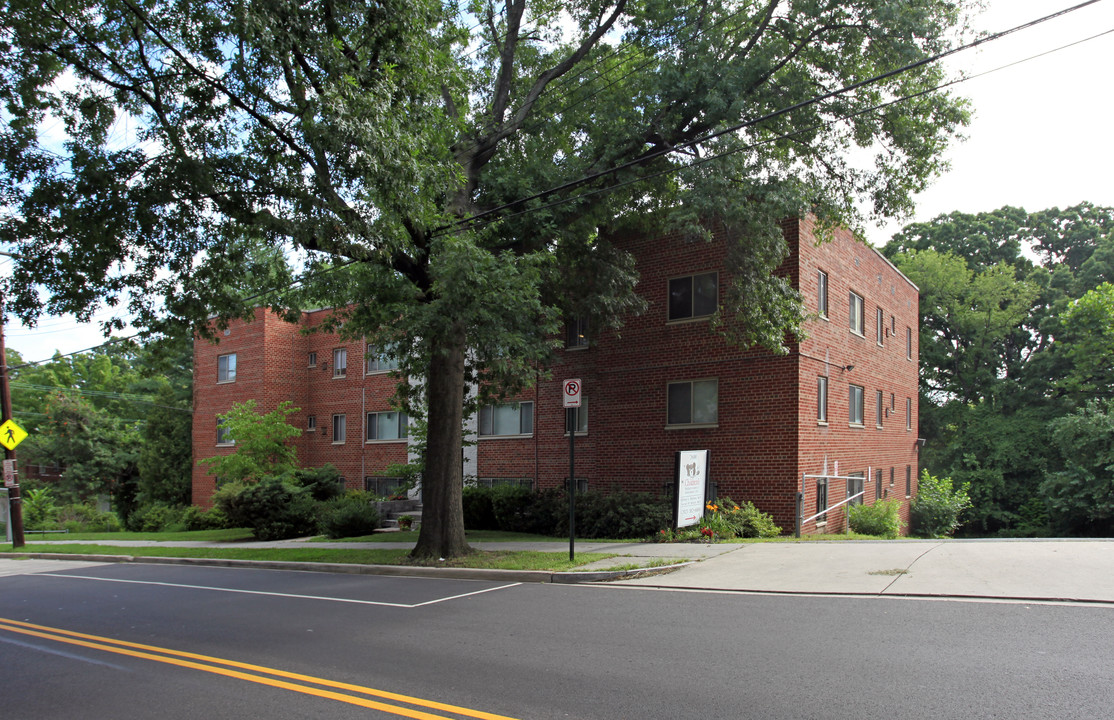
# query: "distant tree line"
[1017,364]
[112,424]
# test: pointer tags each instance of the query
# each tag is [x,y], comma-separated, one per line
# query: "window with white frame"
[878,485]
[855,404]
[313,359]
[340,429]
[908,480]
[507,419]
[311,423]
[908,413]
[855,313]
[879,408]
[224,434]
[822,399]
[340,362]
[226,368]
[693,296]
[822,293]
[387,426]
[576,332]
[693,402]
[379,361]
[908,343]
[880,321]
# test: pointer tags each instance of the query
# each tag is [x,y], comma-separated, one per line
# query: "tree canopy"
[1017,337]
[463,165]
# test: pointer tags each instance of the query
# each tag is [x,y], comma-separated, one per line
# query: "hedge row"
[617,514]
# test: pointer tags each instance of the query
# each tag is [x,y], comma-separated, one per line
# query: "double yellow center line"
[352,694]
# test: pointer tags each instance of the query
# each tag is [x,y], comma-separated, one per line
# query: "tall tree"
[470,162]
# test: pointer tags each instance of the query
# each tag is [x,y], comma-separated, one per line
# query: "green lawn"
[487,560]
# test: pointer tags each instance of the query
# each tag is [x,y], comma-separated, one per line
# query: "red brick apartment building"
[836,416]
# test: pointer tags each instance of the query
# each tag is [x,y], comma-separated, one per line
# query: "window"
[313,359]
[226,368]
[693,402]
[822,293]
[507,419]
[311,423]
[855,487]
[880,335]
[855,405]
[908,343]
[385,486]
[822,399]
[581,417]
[379,361]
[822,499]
[879,408]
[387,426]
[339,429]
[908,480]
[340,362]
[891,477]
[909,413]
[224,435]
[576,332]
[693,296]
[878,485]
[855,313]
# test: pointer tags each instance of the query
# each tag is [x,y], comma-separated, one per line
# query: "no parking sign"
[571,392]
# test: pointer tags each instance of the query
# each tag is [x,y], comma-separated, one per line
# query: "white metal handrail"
[833,507]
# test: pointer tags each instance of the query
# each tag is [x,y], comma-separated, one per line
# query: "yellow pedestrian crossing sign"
[11,434]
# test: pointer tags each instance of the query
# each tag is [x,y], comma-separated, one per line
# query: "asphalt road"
[168,642]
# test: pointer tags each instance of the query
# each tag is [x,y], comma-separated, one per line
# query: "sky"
[1040,137]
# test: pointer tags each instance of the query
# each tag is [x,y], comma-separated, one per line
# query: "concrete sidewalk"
[1068,570]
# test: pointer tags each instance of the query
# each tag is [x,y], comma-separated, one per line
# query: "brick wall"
[766,434]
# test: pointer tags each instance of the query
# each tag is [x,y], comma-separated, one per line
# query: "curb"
[496,575]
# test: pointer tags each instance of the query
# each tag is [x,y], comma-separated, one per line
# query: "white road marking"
[284,595]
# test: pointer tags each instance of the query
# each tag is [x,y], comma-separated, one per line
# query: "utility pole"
[15,503]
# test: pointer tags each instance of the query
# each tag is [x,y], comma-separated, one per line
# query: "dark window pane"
[705,297]
[680,298]
[680,403]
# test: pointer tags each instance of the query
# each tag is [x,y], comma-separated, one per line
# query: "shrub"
[155,517]
[196,518]
[936,509]
[729,519]
[272,508]
[323,483]
[620,514]
[350,515]
[479,513]
[86,518]
[38,508]
[881,519]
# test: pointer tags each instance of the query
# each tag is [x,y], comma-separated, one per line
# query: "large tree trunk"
[442,529]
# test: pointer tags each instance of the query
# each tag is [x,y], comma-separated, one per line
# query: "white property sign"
[692,481]
[571,392]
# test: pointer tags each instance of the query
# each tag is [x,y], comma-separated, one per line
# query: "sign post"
[571,390]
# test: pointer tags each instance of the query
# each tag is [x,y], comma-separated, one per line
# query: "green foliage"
[882,519]
[323,483]
[935,511]
[727,519]
[273,508]
[350,515]
[86,518]
[262,443]
[38,508]
[1007,348]
[618,514]
[1080,492]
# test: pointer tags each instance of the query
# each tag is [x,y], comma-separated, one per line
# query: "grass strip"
[490,560]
